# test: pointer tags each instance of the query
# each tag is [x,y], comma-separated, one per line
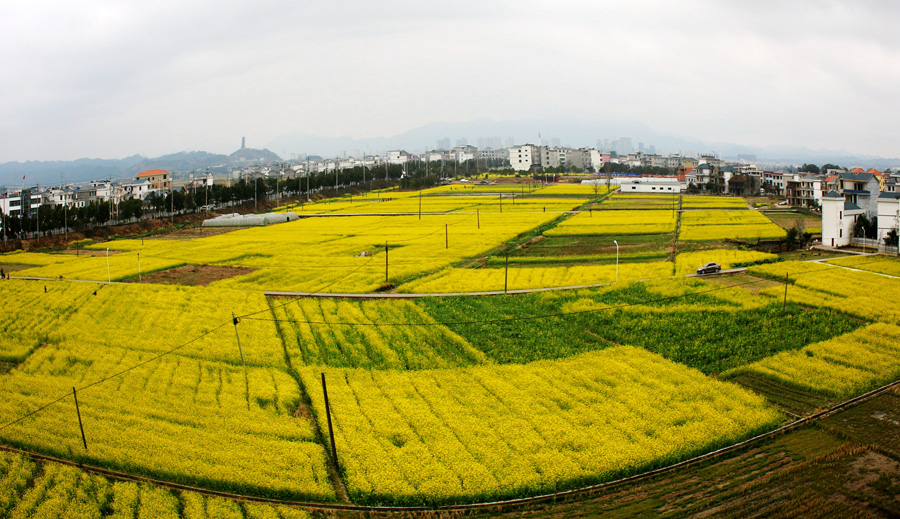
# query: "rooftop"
[151,173]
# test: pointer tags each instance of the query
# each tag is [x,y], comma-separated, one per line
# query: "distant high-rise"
[243,142]
[443,144]
[510,142]
[462,141]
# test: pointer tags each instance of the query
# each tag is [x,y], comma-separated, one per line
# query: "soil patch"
[89,252]
[12,267]
[192,233]
[195,275]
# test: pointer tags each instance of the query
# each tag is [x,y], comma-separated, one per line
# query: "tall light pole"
[108,275]
[617,260]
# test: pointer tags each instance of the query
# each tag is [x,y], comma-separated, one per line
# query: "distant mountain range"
[81,170]
[575,133]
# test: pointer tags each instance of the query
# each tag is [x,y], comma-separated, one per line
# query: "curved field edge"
[439,437]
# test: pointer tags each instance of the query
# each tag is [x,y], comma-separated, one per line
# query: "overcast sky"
[110,79]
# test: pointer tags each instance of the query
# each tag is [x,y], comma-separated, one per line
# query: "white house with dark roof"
[888,215]
[838,219]
[861,189]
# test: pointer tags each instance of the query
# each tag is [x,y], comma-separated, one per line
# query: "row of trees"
[47,219]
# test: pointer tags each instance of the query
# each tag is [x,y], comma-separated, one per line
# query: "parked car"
[709,268]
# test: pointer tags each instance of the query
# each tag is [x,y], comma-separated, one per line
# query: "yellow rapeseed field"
[498,431]
[459,280]
[616,222]
[866,295]
[841,367]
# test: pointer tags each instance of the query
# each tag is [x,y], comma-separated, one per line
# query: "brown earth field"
[194,275]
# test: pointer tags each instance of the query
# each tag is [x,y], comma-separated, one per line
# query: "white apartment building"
[11,205]
[464,153]
[888,214]
[523,157]
[598,159]
[398,157]
[493,154]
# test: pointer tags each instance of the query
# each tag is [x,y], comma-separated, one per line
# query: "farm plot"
[616,222]
[34,314]
[186,420]
[721,225]
[117,266]
[164,396]
[635,202]
[630,249]
[336,254]
[579,190]
[155,318]
[789,219]
[377,334]
[53,490]
[687,262]
[840,367]
[479,433]
[688,321]
[879,264]
[713,202]
[464,203]
[461,280]
[862,294]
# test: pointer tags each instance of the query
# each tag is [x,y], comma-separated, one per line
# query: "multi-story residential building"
[598,159]
[159,179]
[888,215]
[11,205]
[658,161]
[398,157]
[492,154]
[861,189]
[674,162]
[712,160]
[523,157]
[838,219]
[463,153]
[774,180]
[804,191]
[139,190]
[61,196]
[438,156]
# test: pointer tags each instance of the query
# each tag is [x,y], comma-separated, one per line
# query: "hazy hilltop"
[48,172]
